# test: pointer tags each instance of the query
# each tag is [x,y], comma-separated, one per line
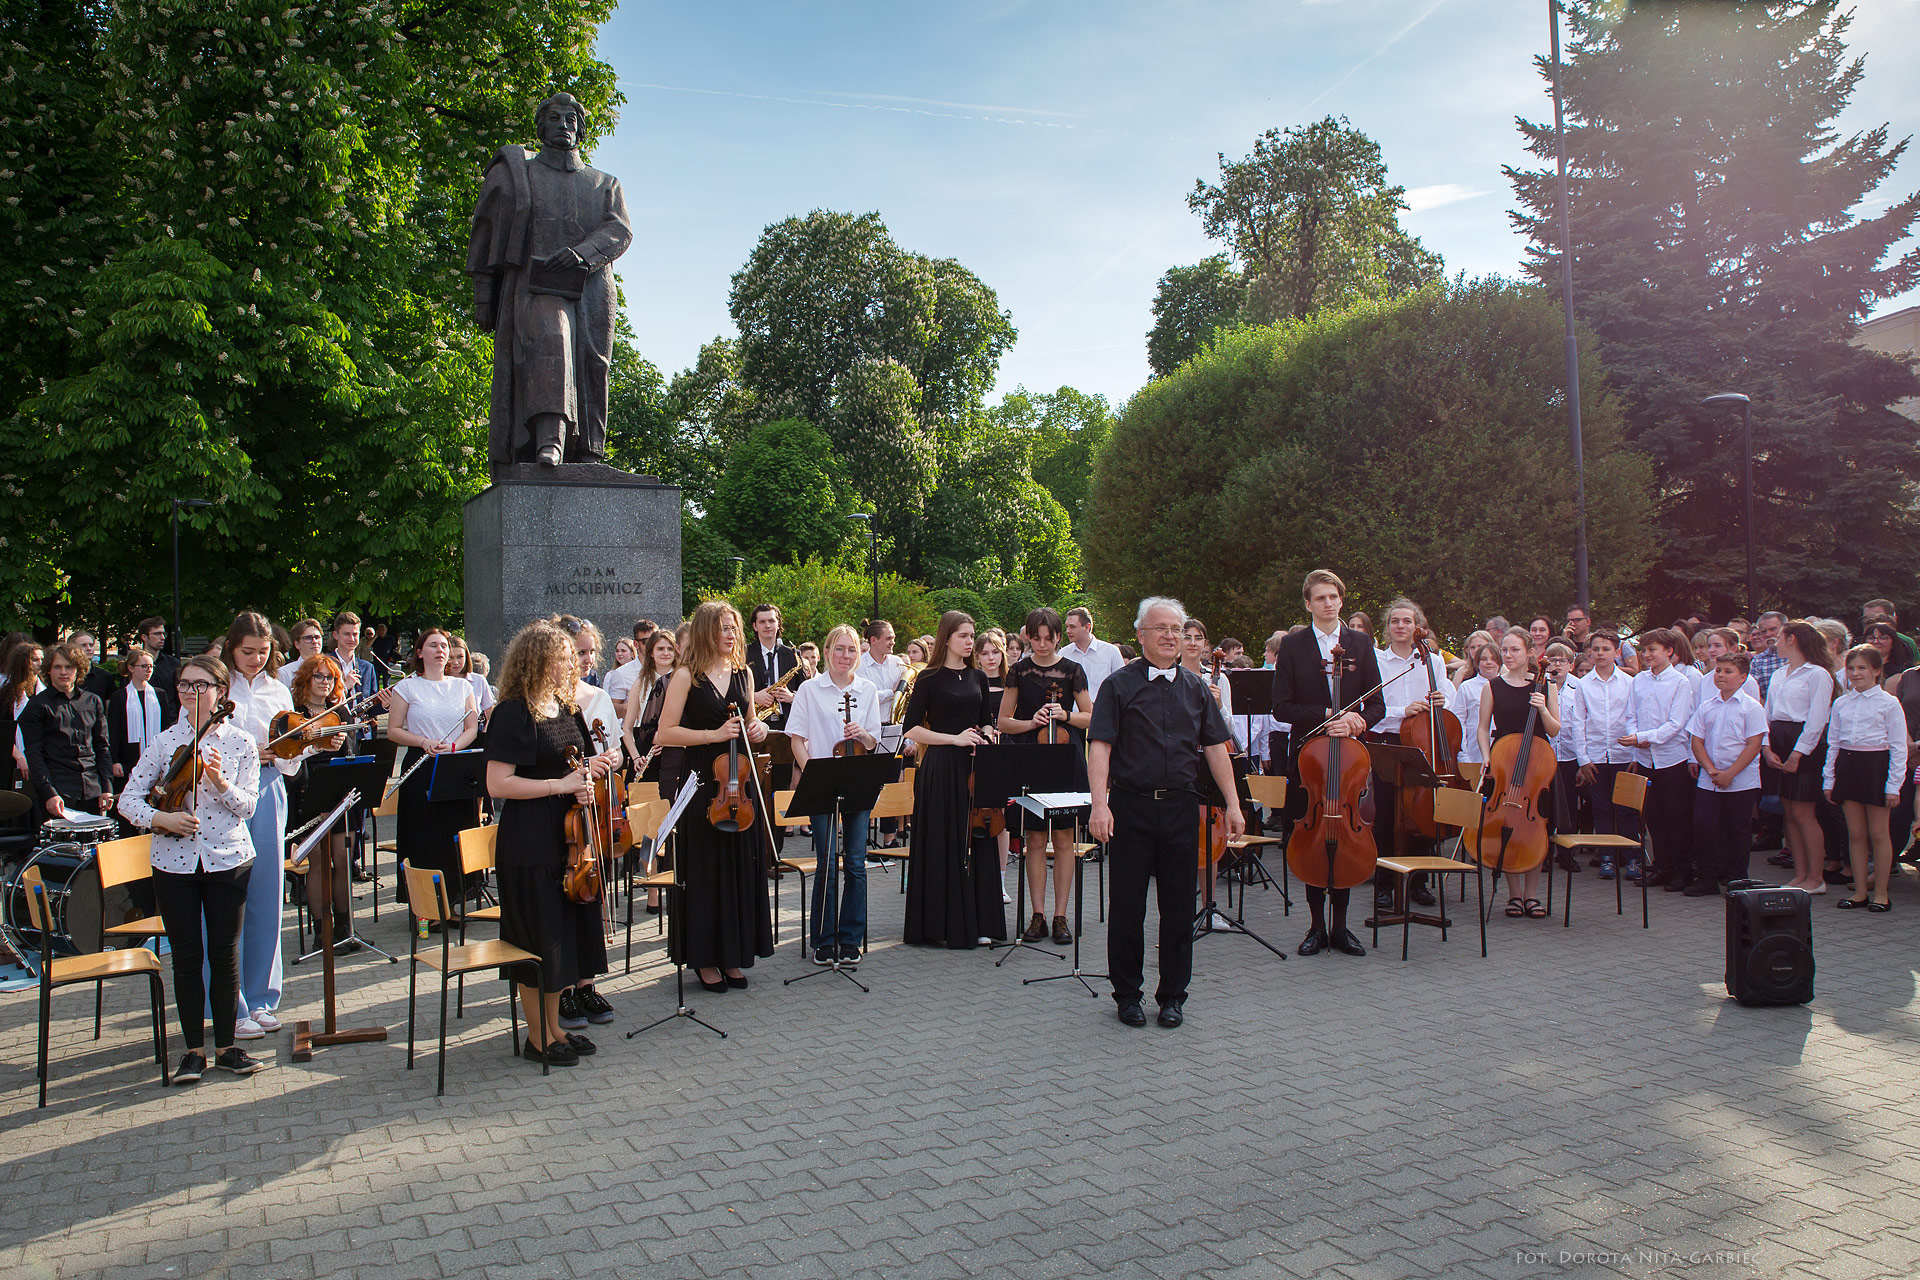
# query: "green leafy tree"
[1722,242]
[711,409]
[1064,430]
[816,595]
[1190,305]
[971,603]
[1312,218]
[1012,603]
[785,496]
[990,522]
[1412,445]
[257,243]
[642,436]
[706,559]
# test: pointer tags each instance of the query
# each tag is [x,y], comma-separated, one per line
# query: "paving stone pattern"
[1585,1102]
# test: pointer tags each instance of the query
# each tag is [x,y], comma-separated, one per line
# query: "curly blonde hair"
[528,673]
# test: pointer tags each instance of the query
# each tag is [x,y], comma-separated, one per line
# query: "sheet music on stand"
[1041,803]
[680,803]
[890,735]
[305,848]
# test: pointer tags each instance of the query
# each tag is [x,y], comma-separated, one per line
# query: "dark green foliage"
[1312,218]
[971,603]
[1010,604]
[706,556]
[784,496]
[1064,430]
[1721,244]
[1412,446]
[815,596]
[1190,305]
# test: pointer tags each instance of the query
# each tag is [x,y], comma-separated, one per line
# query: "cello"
[1332,844]
[1435,733]
[1521,769]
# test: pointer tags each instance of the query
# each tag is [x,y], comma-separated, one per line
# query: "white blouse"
[1870,721]
[436,709]
[1725,726]
[255,703]
[1467,707]
[1801,695]
[222,843]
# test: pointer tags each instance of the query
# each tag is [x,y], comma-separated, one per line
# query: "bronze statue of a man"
[544,230]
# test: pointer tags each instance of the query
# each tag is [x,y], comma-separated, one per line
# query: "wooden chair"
[896,801]
[783,866]
[119,862]
[389,807]
[477,846]
[95,967]
[1629,791]
[1270,792]
[427,900]
[643,821]
[1451,808]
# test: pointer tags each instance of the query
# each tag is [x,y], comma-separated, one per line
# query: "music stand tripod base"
[1079,919]
[305,1038]
[681,1009]
[837,787]
[1047,769]
[1203,920]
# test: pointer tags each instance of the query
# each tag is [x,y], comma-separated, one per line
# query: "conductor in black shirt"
[1154,724]
[1303,698]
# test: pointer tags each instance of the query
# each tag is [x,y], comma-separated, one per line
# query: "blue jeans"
[852,930]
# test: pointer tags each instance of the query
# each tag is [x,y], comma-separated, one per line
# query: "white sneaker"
[265,1020]
[1006,899]
[247,1029]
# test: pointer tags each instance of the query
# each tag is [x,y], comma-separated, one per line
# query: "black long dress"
[953,880]
[728,915]
[531,854]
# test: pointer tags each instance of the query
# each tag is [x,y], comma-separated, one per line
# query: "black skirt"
[427,832]
[1803,786]
[953,876]
[536,915]
[723,917]
[1861,776]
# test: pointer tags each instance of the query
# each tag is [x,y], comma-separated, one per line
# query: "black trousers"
[1157,839]
[1609,818]
[217,898]
[1722,833]
[1669,814]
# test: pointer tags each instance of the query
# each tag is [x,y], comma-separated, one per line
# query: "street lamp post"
[1571,337]
[1746,467]
[873,558]
[177,504]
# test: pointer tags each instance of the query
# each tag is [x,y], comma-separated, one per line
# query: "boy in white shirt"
[1725,733]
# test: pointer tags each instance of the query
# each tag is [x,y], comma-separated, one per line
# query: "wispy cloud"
[883,102]
[958,106]
[1420,199]
[1392,40]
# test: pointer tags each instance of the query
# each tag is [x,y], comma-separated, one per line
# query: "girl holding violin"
[990,655]
[432,713]
[316,688]
[1040,689]
[203,858]
[258,696]
[583,1004]
[952,893]
[728,916]
[1511,696]
[535,735]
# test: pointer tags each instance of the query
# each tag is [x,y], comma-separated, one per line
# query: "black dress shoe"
[1702,889]
[1343,941]
[1424,896]
[1132,1014]
[1170,1015]
[1314,943]
[1383,900]
[739,983]
[716,987]
[581,1045]
[1661,876]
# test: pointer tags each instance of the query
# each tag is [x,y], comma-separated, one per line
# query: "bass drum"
[74,904]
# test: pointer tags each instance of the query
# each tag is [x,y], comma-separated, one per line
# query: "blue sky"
[1049,145]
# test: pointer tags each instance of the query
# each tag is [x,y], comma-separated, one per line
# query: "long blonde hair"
[998,639]
[536,653]
[703,648]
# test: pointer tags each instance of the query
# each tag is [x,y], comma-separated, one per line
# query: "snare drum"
[74,903]
[85,830]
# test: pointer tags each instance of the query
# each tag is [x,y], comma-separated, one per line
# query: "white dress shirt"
[222,842]
[482,691]
[1658,709]
[255,703]
[1802,694]
[596,708]
[1724,726]
[1870,721]
[1099,660]
[1603,720]
[1466,705]
[1404,682]
[619,681]
[815,716]
[1572,714]
[885,675]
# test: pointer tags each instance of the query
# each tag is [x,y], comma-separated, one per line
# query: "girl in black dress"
[316,688]
[1040,688]
[953,890]
[990,655]
[728,918]
[1510,696]
[533,727]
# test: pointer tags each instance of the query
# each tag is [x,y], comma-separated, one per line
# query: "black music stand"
[1406,767]
[457,775]
[305,1039]
[675,906]
[1209,795]
[1002,771]
[839,786]
[1049,806]
[329,782]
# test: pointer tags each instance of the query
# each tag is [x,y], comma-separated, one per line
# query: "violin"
[1332,845]
[848,746]
[292,732]
[173,791]
[984,820]
[1520,769]
[581,881]
[1053,722]
[1435,732]
[731,809]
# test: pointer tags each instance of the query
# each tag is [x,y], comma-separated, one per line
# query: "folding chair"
[1629,792]
[427,900]
[1451,808]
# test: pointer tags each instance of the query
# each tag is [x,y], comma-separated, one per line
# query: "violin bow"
[1334,715]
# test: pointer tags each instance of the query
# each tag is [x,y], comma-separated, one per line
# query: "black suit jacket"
[126,753]
[1300,694]
[768,668]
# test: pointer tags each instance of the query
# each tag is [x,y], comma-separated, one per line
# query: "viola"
[1520,771]
[1332,844]
[731,809]
[173,791]
[581,881]
[1435,732]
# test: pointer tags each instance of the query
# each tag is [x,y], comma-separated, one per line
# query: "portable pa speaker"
[1769,944]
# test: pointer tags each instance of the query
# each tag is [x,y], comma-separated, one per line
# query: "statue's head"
[560,122]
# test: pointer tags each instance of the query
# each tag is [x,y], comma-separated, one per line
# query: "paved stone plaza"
[1584,1102]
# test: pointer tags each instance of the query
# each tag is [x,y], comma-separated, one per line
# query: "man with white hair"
[1155,726]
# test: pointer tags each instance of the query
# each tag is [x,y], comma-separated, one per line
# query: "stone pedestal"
[580,538]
